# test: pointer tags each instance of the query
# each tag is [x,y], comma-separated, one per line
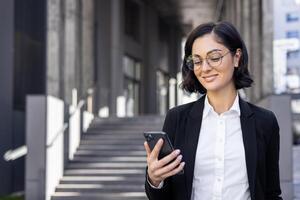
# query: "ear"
[237,57]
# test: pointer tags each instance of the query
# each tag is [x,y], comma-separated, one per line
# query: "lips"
[210,78]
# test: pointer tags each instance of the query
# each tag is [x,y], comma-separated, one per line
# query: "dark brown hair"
[227,35]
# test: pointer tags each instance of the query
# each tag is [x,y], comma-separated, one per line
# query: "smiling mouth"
[210,78]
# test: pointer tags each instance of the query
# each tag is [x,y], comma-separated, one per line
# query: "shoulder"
[181,109]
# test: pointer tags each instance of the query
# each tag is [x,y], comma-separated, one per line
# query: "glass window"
[292,34]
[293,54]
[132,19]
[162,87]
[292,17]
[131,90]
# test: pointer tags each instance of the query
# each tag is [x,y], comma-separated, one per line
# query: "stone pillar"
[103,55]
[255,53]
[88,39]
[245,31]
[44,136]
[70,49]
[284,117]
[116,81]
[53,47]
[267,47]
[6,88]
[151,60]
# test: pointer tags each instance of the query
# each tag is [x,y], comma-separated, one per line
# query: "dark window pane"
[132,19]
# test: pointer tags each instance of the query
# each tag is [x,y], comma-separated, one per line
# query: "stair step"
[101,179]
[99,187]
[106,153]
[116,131]
[110,165]
[110,162]
[110,159]
[109,147]
[112,137]
[99,196]
[97,172]
[113,142]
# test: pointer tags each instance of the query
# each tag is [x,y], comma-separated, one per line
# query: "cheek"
[197,73]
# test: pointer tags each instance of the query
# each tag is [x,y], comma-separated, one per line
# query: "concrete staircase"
[110,161]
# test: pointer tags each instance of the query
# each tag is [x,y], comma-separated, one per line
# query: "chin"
[211,86]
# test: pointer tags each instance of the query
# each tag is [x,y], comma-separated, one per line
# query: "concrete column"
[70,50]
[116,81]
[103,56]
[267,47]
[151,60]
[88,39]
[44,136]
[53,47]
[256,49]
[35,159]
[6,88]
[284,117]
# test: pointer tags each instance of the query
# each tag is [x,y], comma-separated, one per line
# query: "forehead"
[206,43]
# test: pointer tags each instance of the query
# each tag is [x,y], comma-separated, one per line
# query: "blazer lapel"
[249,139]
[192,131]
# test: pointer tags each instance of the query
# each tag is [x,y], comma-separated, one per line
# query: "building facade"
[121,52]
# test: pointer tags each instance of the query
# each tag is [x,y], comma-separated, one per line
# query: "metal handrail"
[16,153]
[21,151]
[66,125]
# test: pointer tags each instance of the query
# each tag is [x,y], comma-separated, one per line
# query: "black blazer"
[261,142]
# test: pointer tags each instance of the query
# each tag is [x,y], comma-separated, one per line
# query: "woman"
[228,148]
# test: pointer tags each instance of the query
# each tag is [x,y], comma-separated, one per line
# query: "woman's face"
[218,75]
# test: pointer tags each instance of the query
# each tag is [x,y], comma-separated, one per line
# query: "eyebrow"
[209,52]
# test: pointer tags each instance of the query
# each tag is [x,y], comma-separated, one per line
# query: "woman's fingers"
[158,170]
[169,167]
[155,152]
[174,171]
[147,148]
[167,159]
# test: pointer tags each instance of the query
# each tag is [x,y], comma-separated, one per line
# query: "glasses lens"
[214,59]
[190,62]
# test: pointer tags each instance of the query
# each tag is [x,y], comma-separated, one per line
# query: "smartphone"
[152,138]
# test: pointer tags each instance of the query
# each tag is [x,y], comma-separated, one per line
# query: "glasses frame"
[189,59]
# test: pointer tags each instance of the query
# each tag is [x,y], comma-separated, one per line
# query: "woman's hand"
[159,170]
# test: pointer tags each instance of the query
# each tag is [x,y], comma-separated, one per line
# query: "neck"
[221,101]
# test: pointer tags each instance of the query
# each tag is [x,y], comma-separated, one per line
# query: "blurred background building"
[122,58]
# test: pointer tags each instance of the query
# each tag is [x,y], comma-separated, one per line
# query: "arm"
[273,190]
[163,193]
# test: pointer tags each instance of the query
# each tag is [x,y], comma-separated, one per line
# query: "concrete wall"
[6,88]
[284,117]
[103,54]
[70,48]
[45,157]
[158,48]
[254,19]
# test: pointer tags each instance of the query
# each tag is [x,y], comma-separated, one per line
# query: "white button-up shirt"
[220,167]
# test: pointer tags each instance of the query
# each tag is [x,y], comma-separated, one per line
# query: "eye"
[215,57]
[197,62]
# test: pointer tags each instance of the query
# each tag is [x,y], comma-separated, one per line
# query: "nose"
[205,66]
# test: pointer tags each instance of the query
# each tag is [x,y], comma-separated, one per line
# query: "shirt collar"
[208,108]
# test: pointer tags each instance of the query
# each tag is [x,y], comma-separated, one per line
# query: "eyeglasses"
[213,59]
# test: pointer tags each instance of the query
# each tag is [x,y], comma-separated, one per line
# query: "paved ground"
[296,162]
